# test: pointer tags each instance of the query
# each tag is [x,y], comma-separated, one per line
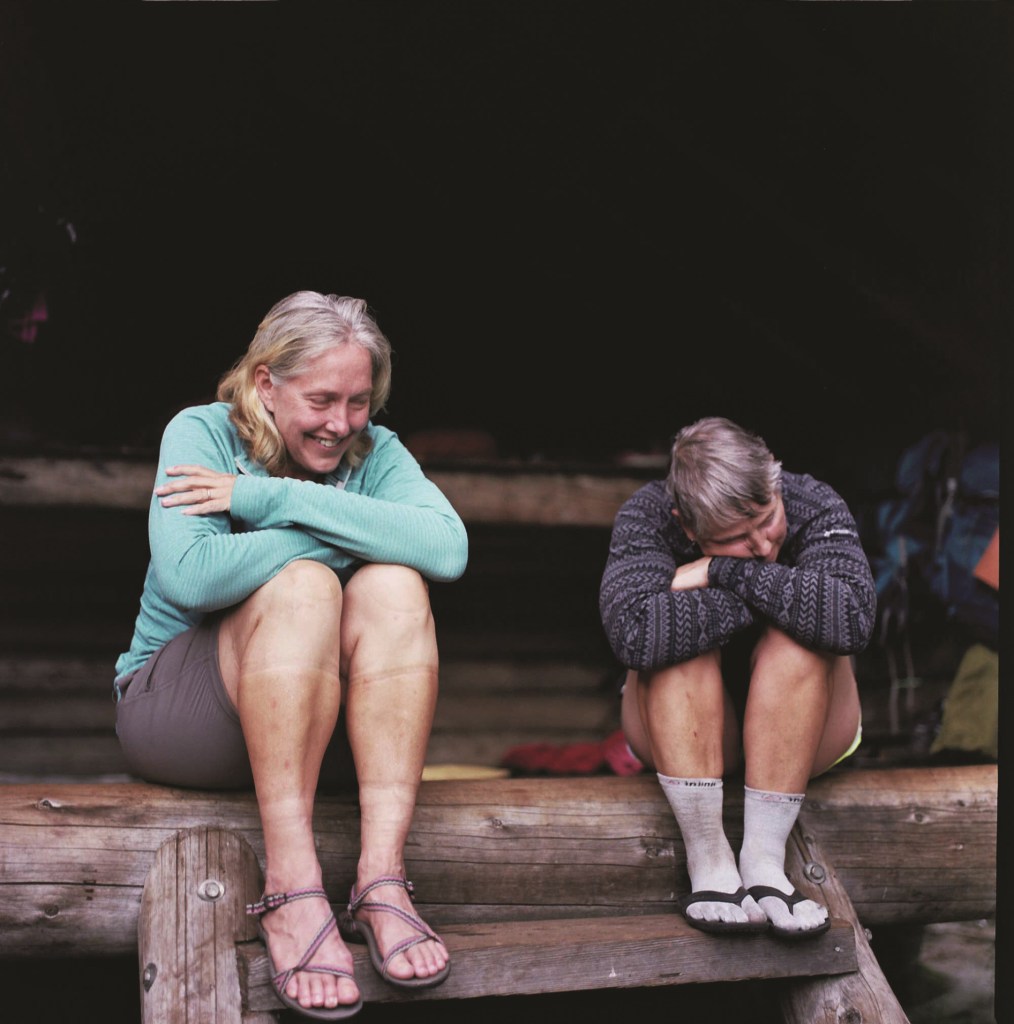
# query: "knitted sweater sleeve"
[824,596]
[648,625]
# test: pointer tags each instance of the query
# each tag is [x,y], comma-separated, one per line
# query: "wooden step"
[909,845]
[508,958]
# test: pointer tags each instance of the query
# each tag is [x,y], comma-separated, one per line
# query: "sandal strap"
[273,901]
[358,901]
[281,979]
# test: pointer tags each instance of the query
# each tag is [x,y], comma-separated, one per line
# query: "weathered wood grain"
[192,915]
[909,845]
[527,958]
[860,995]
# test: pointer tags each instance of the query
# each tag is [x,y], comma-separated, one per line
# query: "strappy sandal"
[360,930]
[279,979]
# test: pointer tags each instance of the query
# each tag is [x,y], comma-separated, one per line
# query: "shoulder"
[649,510]
[650,500]
[804,495]
[203,429]
[214,416]
[384,439]
[386,450]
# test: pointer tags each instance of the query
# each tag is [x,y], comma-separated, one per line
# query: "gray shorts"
[177,725]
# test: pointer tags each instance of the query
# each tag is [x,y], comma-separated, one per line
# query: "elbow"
[180,591]
[629,647]
[452,566]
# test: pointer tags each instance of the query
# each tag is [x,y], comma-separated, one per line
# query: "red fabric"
[574,758]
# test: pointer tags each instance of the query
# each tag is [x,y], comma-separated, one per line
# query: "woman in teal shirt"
[285,622]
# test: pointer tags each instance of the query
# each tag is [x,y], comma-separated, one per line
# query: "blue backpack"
[933,533]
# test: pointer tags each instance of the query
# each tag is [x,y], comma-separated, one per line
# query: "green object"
[971,707]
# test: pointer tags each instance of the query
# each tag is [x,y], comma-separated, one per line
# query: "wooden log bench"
[537,885]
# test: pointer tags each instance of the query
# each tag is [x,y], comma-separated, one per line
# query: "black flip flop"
[758,892]
[725,927]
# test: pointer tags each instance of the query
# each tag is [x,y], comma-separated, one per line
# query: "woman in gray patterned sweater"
[735,594]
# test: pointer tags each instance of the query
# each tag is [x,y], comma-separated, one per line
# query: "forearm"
[204,571]
[424,533]
[651,629]
[823,610]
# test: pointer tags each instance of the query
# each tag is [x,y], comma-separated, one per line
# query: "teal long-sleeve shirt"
[385,510]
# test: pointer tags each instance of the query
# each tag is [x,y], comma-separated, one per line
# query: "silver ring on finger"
[207,494]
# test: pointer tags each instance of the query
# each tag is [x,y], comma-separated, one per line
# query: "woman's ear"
[265,387]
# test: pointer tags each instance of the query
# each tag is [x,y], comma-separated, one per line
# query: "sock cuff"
[769,797]
[677,783]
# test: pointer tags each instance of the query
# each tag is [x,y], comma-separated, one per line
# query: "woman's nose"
[338,421]
[760,545]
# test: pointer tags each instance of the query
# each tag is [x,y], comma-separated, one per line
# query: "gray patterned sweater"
[820,591]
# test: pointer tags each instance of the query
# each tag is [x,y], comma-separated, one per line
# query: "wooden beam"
[193,913]
[500,495]
[909,845]
[860,995]
[511,958]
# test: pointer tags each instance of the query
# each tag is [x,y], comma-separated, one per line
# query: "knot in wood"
[851,1016]
[496,823]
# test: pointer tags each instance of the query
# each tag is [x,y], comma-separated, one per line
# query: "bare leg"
[644,716]
[278,653]
[802,714]
[389,657]
[680,721]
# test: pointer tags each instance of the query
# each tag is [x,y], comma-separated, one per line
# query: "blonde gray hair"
[296,330]
[720,473]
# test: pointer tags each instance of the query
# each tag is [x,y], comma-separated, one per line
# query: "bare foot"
[291,929]
[422,959]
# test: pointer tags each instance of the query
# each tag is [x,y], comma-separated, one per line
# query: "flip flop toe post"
[759,892]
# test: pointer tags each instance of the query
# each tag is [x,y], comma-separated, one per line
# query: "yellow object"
[434,772]
[971,707]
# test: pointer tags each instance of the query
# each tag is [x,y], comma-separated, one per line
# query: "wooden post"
[862,997]
[193,913]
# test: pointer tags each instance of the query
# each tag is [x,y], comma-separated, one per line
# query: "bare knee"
[788,659]
[301,587]
[389,606]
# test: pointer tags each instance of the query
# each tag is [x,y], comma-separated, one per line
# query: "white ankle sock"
[767,821]
[697,805]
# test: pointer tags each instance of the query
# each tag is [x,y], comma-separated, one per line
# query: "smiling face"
[320,411]
[759,536]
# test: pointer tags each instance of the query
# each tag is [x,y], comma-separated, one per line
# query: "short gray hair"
[719,473]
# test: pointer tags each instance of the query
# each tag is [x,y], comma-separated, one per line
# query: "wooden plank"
[902,839]
[910,845]
[84,712]
[860,995]
[529,958]
[193,912]
[51,758]
[508,494]
[527,678]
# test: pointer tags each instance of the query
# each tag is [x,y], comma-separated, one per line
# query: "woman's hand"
[203,490]
[692,576]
